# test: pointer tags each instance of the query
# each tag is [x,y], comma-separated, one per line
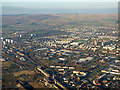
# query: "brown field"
[23,72]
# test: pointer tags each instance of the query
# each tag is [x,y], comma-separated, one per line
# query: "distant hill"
[8,10]
[57,19]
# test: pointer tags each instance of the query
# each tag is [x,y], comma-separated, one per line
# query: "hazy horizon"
[59,7]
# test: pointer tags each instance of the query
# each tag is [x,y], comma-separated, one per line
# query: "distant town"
[60,51]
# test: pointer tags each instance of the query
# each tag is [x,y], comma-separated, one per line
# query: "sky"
[66,5]
[60,0]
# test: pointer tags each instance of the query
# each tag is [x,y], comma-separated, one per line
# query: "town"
[73,56]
